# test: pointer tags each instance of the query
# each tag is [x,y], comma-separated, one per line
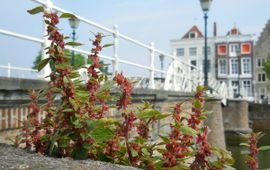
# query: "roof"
[194,28]
[234,31]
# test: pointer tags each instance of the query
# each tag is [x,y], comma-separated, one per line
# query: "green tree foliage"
[266,68]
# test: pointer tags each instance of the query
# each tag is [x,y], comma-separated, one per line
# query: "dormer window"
[192,35]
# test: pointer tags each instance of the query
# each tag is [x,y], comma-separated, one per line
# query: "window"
[222,66]
[208,51]
[233,49]
[247,87]
[222,49]
[260,62]
[193,51]
[246,66]
[192,35]
[234,66]
[262,92]
[235,85]
[245,48]
[261,77]
[193,63]
[180,52]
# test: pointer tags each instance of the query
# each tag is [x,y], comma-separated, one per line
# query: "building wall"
[186,43]
[229,56]
[262,53]
[197,43]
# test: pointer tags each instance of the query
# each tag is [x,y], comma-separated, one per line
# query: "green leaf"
[244,144]
[245,152]
[165,139]
[74,43]
[162,116]
[134,153]
[106,86]
[68,110]
[79,153]
[188,131]
[102,134]
[36,10]
[264,148]
[197,104]
[45,138]
[67,15]
[148,113]
[74,74]
[145,151]
[43,63]
[107,45]
[64,141]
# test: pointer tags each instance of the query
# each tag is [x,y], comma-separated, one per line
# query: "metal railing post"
[46,70]
[152,66]
[115,50]
[9,70]
[174,71]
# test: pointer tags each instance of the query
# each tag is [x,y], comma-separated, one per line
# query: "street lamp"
[238,55]
[205,4]
[161,58]
[74,24]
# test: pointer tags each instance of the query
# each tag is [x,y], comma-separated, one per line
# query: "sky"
[156,21]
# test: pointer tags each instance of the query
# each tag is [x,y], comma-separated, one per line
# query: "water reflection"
[263,157]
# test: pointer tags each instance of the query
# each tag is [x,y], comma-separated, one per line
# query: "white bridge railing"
[180,76]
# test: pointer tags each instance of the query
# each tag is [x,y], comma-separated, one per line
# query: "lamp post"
[74,24]
[205,4]
[238,55]
[161,58]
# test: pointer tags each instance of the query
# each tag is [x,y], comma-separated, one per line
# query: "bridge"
[179,75]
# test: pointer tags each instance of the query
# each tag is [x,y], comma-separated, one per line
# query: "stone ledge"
[18,159]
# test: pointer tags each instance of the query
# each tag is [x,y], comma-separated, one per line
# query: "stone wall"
[14,99]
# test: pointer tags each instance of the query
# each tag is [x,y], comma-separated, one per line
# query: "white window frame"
[260,78]
[260,92]
[249,89]
[232,49]
[231,66]
[178,53]
[262,60]
[196,52]
[219,66]
[243,65]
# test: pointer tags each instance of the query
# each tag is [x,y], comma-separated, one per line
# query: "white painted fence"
[180,76]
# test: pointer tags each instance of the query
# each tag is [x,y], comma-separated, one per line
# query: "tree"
[266,68]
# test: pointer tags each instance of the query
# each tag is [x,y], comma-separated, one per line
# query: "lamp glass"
[161,57]
[205,4]
[74,23]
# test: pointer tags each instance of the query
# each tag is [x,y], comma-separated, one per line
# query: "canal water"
[263,157]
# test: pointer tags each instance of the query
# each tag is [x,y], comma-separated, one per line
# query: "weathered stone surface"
[18,159]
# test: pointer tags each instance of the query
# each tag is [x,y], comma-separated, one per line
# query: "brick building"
[223,62]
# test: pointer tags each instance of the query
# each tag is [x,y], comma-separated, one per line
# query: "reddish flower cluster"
[252,160]
[203,151]
[176,113]
[179,142]
[143,130]
[126,87]
[53,33]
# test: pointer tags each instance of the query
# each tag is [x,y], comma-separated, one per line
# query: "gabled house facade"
[262,54]
[223,62]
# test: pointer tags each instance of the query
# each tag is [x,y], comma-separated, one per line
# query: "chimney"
[215,29]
